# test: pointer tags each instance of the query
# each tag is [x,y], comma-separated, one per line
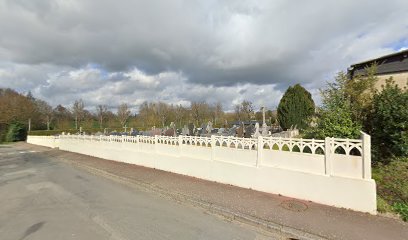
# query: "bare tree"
[123,114]
[180,112]
[247,110]
[101,111]
[78,111]
[143,113]
[238,112]
[45,110]
[199,112]
[162,110]
[218,112]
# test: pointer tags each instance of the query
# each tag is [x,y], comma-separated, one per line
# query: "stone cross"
[125,127]
[264,126]
[209,127]
[263,116]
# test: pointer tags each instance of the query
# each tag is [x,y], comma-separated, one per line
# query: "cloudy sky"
[178,51]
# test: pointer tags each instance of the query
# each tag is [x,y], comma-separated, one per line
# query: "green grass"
[392,187]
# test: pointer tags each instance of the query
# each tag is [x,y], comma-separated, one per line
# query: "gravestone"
[191,128]
[265,130]
[154,132]
[170,132]
[240,131]
[185,131]
[209,127]
[248,131]
[256,131]
[232,131]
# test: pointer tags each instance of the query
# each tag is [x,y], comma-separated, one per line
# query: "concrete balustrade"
[333,171]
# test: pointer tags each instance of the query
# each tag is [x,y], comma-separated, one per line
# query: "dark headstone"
[169,132]
[249,131]
[190,129]
[240,131]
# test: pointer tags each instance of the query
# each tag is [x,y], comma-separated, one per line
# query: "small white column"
[180,142]
[328,156]
[366,155]
[259,157]
[212,147]
[156,140]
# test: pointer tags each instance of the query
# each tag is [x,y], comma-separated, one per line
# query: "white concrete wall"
[300,168]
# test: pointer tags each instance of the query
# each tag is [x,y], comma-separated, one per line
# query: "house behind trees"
[393,65]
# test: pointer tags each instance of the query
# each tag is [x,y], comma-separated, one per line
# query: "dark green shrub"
[392,185]
[389,123]
[295,108]
[392,181]
[16,132]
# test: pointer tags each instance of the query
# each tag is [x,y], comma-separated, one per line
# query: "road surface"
[42,198]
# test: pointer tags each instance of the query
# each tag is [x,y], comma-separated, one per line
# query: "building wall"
[399,78]
[323,171]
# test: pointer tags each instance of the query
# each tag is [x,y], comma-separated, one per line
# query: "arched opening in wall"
[240,146]
[266,146]
[295,148]
[232,145]
[275,147]
[285,148]
[209,145]
[319,151]
[307,149]
[224,144]
[355,152]
[339,150]
[217,143]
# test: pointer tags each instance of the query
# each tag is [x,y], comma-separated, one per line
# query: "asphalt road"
[41,198]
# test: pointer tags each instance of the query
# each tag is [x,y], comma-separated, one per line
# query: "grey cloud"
[224,50]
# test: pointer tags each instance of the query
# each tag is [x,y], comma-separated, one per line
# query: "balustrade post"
[212,147]
[156,140]
[122,141]
[180,142]
[366,155]
[259,157]
[328,156]
[137,142]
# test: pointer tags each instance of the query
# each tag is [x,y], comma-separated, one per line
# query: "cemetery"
[333,171]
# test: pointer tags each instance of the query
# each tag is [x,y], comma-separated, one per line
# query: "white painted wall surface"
[340,180]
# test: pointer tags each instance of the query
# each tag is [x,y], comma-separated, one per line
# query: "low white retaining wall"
[323,171]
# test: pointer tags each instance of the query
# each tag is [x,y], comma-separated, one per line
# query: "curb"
[294,234]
